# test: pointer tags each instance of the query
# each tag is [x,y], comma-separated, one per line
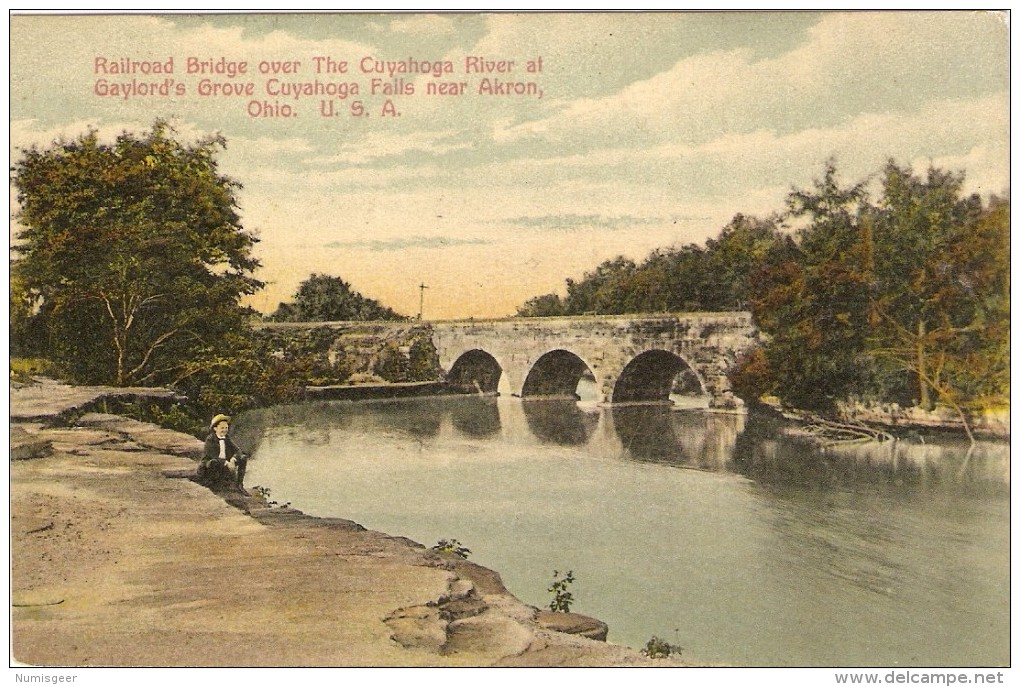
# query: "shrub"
[451,547]
[562,598]
[660,648]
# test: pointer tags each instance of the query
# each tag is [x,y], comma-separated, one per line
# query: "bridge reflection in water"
[752,445]
[697,520]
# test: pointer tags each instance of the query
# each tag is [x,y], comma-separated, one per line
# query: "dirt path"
[118,559]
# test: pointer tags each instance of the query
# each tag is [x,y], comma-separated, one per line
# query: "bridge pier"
[633,359]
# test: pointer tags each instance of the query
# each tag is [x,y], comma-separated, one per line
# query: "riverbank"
[120,559]
[897,421]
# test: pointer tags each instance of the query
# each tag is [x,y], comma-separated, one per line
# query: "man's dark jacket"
[213,468]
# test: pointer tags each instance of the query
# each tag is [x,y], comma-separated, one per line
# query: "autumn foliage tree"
[132,254]
[941,287]
[901,297]
[811,297]
[905,298]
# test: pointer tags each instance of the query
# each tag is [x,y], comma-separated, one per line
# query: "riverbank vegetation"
[894,289]
[323,298]
[132,258]
[132,263]
[563,598]
[130,269]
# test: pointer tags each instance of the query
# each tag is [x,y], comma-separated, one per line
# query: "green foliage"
[811,298]
[562,597]
[451,547]
[942,296]
[391,365]
[322,298]
[716,277]
[28,335]
[423,363]
[310,352]
[266,495]
[132,257]
[549,305]
[178,417]
[416,361]
[242,373]
[901,299]
[904,300]
[24,370]
[660,648]
[751,376]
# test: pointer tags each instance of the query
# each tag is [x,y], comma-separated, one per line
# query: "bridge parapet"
[707,343]
[546,356]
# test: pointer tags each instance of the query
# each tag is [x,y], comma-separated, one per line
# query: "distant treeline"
[322,298]
[903,297]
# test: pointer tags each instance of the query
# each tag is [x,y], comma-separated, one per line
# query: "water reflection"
[871,554]
[755,445]
[559,422]
[478,420]
[773,456]
[692,439]
[417,420]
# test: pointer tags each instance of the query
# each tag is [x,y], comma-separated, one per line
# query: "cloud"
[850,64]
[423,24]
[574,222]
[427,242]
[31,131]
[378,145]
[655,128]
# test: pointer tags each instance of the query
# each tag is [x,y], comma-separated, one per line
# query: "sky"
[635,131]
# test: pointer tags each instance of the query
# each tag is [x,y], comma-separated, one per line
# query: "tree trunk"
[922,370]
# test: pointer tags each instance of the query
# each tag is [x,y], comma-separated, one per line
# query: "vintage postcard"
[511,339]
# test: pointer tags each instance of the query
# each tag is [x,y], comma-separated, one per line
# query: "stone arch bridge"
[632,358]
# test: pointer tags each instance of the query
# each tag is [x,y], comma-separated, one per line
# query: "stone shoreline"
[120,559]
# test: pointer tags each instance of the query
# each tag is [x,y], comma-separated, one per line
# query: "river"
[717,532]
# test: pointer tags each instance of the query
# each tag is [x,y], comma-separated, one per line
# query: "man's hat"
[218,419]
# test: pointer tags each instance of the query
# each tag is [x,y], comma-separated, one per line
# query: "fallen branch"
[840,432]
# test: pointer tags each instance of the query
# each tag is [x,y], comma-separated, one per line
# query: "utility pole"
[421,299]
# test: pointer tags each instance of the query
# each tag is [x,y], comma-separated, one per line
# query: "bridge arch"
[555,374]
[476,370]
[649,378]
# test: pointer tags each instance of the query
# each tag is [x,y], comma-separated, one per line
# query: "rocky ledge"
[120,559]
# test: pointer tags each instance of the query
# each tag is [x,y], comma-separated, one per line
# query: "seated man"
[223,464]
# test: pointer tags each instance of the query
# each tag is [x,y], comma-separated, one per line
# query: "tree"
[547,305]
[904,300]
[133,253]
[27,338]
[603,291]
[942,288]
[812,298]
[715,277]
[322,298]
[731,259]
[920,227]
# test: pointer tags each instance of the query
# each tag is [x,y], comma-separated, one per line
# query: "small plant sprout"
[451,547]
[660,648]
[267,496]
[562,598]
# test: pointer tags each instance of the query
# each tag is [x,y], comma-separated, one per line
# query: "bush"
[451,547]
[24,370]
[660,648]
[562,599]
